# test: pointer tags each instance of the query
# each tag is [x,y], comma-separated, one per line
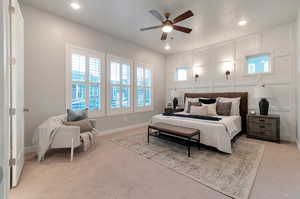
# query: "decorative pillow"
[187,100]
[235,107]
[192,104]
[207,100]
[224,108]
[199,110]
[212,109]
[85,125]
[77,115]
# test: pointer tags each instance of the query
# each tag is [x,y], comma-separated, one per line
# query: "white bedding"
[212,133]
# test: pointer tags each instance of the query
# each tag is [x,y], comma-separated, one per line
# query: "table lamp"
[263,93]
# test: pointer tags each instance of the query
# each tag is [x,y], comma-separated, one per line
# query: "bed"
[218,134]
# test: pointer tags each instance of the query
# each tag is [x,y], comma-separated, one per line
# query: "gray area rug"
[232,175]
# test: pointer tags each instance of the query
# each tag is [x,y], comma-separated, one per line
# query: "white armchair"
[69,137]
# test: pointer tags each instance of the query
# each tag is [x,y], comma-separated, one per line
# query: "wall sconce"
[227,73]
[227,68]
[197,71]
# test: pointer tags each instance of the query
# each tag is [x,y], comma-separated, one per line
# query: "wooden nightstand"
[266,127]
[171,110]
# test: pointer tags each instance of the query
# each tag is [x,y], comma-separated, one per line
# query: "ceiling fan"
[168,25]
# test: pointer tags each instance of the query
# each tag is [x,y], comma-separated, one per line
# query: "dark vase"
[264,106]
[175,102]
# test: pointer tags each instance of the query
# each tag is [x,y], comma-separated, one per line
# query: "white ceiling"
[214,20]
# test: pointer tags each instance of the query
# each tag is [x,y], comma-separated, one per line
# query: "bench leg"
[148,135]
[189,147]
[199,142]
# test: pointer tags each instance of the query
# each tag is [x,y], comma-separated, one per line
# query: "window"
[84,82]
[258,64]
[120,85]
[143,92]
[181,74]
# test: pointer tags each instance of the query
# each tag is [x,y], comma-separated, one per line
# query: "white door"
[17,92]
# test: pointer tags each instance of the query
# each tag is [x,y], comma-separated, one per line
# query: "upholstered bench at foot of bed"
[184,133]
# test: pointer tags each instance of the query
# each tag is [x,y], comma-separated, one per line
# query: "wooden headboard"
[243,104]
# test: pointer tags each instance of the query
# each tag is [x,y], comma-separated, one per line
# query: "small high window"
[181,74]
[258,64]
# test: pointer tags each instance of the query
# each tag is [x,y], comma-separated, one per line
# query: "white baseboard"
[112,131]
[30,149]
[298,144]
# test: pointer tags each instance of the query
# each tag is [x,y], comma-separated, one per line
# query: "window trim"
[68,70]
[143,108]
[257,55]
[121,110]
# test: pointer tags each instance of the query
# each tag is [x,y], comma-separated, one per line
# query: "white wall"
[4,99]
[280,41]
[45,38]
[298,78]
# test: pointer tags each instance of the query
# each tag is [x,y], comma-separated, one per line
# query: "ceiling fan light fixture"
[167,47]
[167,28]
[75,5]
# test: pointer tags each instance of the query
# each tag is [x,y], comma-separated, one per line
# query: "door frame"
[4,97]
[16,92]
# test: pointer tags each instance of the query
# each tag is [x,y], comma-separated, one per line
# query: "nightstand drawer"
[262,121]
[263,133]
[262,127]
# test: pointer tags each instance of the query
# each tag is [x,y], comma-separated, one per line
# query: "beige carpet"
[110,171]
[233,175]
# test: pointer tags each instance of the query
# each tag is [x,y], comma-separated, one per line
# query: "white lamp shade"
[262,92]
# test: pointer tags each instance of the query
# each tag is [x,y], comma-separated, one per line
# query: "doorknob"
[26,109]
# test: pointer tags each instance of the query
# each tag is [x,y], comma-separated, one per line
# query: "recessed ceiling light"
[167,47]
[75,5]
[167,28]
[242,23]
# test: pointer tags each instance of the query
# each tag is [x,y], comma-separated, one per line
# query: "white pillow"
[235,108]
[212,109]
[199,110]
[187,100]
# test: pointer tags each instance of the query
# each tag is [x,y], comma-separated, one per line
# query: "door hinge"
[12,111]
[12,61]
[12,162]
[12,10]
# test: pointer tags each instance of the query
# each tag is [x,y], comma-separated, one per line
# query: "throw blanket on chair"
[88,139]
[45,133]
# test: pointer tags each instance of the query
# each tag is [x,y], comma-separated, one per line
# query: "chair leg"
[72,150]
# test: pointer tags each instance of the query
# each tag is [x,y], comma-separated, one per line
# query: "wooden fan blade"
[156,14]
[182,29]
[183,16]
[152,27]
[164,36]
